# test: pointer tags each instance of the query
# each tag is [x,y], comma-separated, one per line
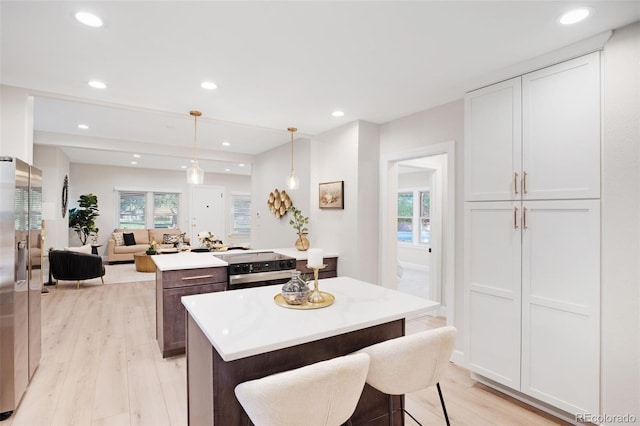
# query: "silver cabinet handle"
[515,218]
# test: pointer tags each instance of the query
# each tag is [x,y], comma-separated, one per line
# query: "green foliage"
[82,219]
[298,221]
[405,204]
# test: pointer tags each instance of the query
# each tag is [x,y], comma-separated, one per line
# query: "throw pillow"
[118,238]
[129,239]
[174,239]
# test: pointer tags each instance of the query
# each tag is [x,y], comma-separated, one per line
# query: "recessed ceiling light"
[136,155]
[183,167]
[209,85]
[83,126]
[134,162]
[225,143]
[574,16]
[97,84]
[337,113]
[241,164]
[89,19]
[227,170]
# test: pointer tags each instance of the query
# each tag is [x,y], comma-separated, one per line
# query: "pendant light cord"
[292,130]
[195,137]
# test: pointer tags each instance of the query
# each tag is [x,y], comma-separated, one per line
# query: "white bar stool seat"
[324,393]
[410,363]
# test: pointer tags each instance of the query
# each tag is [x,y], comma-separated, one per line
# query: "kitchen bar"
[242,335]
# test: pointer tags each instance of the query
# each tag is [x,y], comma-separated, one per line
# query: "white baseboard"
[457,357]
[556,412]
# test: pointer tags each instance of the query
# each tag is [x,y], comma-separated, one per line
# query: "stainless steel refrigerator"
[20,279]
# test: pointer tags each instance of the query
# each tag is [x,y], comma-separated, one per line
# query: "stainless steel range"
[257,269]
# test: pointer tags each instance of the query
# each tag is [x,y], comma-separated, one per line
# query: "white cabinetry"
[536,136]
[532,234]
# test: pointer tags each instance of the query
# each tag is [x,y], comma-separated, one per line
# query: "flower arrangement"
[209,240]
[153,247]
[299,222]
[206,238]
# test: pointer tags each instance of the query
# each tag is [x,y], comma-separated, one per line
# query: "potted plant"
[299,222]
[82,219]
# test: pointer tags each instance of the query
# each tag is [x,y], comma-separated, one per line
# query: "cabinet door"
[493,290]
[174,315]
[561,303]
[493,140]
[561,130]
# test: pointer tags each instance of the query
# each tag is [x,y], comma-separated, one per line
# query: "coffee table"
[143,262]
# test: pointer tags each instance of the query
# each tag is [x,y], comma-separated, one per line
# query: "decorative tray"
[328,300]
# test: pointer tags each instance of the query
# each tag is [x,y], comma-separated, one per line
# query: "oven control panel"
[266,266]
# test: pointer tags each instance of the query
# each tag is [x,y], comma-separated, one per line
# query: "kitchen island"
[242,335]
[188,273]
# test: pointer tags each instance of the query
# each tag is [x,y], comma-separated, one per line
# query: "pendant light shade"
[195,175]
[292,180]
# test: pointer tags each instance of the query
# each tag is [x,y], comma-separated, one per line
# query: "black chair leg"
[390,410]
[444,409]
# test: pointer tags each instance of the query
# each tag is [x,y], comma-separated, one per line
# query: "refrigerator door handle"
[21,265]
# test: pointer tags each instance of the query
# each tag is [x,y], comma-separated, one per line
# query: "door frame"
[388,252]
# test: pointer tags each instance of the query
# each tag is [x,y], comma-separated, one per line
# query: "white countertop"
[186,260]
[242,323]
[189,260]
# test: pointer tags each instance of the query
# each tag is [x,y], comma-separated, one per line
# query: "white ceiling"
[277,64]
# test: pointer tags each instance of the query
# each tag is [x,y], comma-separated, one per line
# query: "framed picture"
[331,195]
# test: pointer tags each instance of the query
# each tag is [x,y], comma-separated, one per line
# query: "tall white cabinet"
[532,233]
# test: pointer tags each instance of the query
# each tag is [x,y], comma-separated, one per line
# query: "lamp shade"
[195,175]
[292,181]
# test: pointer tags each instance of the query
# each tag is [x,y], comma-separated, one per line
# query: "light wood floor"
[101,366]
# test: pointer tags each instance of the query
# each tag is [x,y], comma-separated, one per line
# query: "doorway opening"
[418,224]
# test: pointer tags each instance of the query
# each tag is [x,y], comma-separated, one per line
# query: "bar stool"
[409,363]
[324,393]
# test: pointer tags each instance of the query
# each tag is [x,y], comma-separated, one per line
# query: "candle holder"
[316,296]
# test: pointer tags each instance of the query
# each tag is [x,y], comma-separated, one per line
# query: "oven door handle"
[259,276]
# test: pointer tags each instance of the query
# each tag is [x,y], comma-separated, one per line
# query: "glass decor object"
[195,175]
[292,181]
[295,291]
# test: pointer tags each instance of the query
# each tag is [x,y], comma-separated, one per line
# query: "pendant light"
[195,175]
[292,179]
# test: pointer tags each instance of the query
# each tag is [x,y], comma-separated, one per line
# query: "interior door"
[207,211]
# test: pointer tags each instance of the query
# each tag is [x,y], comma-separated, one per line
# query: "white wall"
[348,153]
[620,293]
[102,181]
[55,166]
[270,171]
[16,123]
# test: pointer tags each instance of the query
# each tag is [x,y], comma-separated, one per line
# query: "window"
[132,210]
[241,214]
[405,216]
[142,209]
[410,213]
[425,217]
[165,210]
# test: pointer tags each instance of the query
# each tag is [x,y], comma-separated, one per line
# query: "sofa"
[120,251]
